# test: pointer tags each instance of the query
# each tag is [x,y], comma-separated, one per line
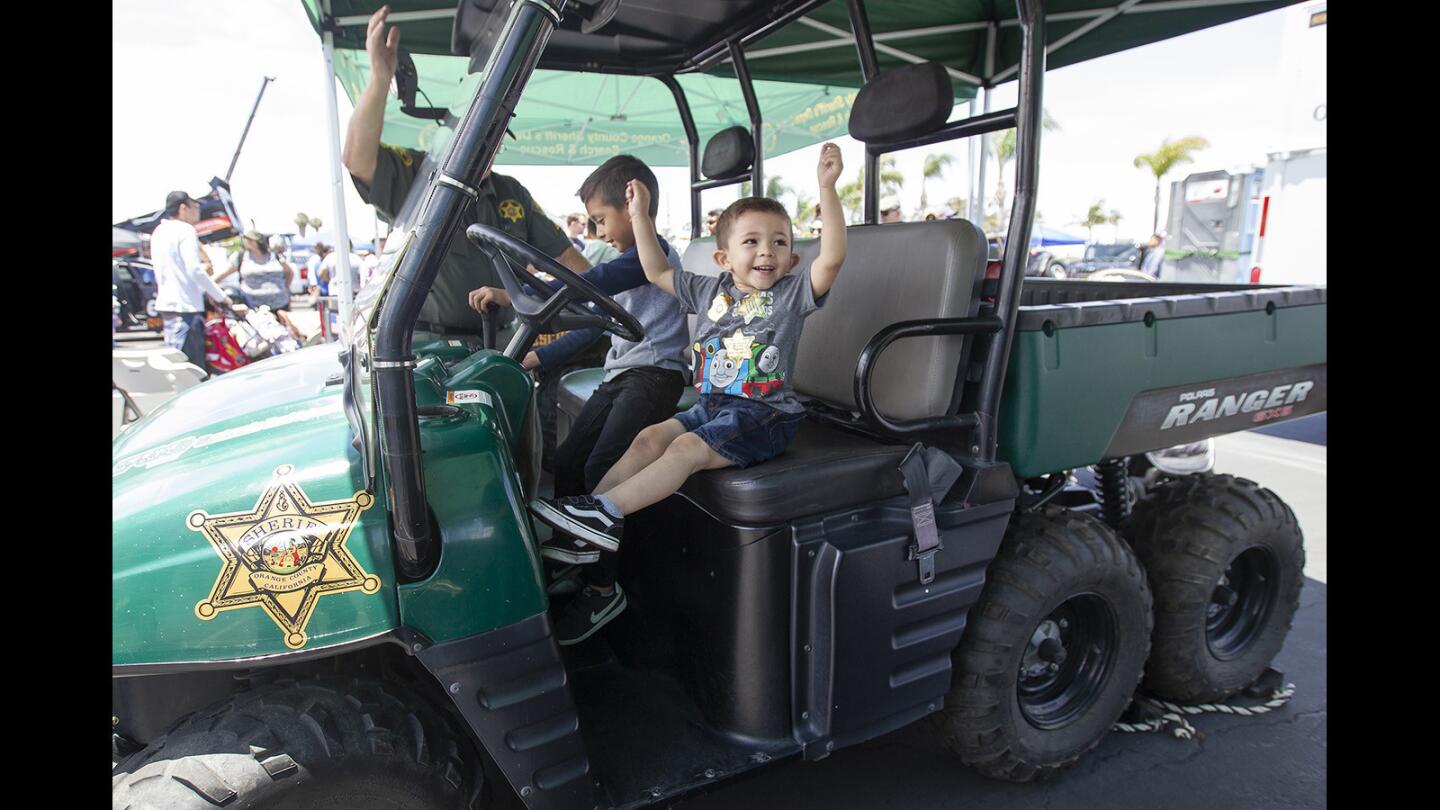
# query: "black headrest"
[906,102]
[729,152]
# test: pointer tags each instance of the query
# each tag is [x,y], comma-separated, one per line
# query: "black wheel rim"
[1240,603]
[1067,662]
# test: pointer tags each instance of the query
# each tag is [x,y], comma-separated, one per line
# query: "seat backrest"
[896,272]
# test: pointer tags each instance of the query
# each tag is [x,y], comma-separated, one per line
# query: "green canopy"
[806,72]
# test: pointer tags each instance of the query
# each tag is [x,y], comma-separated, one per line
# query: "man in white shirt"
[180,277]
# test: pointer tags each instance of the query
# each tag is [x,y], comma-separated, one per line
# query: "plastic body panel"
[488,574]
[216,448]
[817,630]
[1067,392]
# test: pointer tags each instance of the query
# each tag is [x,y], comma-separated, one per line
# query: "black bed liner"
[1066,303]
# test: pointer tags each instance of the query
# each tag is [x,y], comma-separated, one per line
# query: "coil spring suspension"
[1115,500]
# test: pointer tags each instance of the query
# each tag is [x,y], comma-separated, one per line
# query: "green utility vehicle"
[328,591]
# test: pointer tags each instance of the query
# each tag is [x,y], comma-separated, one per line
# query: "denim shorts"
[744,431]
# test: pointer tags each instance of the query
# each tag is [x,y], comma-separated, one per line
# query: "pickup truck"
[327,587]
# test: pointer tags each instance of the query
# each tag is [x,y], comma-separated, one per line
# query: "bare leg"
[284,318]
[686,455]
[649,445]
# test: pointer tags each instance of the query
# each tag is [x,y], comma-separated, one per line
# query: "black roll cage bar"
[477,140]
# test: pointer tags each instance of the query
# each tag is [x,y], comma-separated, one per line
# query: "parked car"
[1042,263]
[133,281]
[1105,257]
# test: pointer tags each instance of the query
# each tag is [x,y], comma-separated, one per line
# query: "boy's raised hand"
[830,166]
[637,199]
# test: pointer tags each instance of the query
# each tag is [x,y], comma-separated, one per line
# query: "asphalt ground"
[1276,760]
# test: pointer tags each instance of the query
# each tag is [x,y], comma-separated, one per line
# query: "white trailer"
[1290,237]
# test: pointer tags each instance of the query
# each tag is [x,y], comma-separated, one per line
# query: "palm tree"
[1094,216]
[1162,160]
[775,188]
[852,194]
[934,169]
[302,221]
[1004,148]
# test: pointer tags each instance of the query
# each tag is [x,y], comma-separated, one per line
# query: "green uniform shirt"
[503,203]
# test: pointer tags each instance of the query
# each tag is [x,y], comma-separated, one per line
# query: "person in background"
[713,218]
[264,278]
[574,226]
[182,284]
[890,210]
[1154,256]
[330,269]
[312,269]
[597,251]
[371,263]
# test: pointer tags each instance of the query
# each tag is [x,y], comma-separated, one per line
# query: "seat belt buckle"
[927,540]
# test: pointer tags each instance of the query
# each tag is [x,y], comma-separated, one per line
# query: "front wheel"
[331,743]
[1052,651]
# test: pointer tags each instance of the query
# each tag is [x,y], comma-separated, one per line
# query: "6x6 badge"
[284,554]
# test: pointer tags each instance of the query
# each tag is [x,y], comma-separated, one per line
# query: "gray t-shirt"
[745,343]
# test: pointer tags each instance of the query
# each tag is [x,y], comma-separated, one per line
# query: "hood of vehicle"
[228,462]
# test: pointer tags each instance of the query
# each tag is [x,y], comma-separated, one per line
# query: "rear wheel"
[1226,560]
[1053,649]
[333,743]
[1055,270]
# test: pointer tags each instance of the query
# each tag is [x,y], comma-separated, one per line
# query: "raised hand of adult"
[383,48]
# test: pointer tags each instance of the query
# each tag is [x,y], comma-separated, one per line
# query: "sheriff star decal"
[283,555]
[511,210]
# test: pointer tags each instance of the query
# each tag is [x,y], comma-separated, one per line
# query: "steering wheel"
[562,310]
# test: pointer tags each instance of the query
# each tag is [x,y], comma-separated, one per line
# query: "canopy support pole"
[979,205]
[974,147]
[742,72]
[340,287]
[692,138]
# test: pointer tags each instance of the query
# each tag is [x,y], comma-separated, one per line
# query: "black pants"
[613,416]
[549,379]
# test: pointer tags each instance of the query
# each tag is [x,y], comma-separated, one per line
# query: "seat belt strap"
[926,471]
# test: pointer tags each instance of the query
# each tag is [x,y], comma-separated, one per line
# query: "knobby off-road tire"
[1212,637]
[1053,565]
[332,743]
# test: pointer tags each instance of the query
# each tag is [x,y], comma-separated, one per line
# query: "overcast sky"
[186,72]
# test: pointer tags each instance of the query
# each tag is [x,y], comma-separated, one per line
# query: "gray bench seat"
[896,272]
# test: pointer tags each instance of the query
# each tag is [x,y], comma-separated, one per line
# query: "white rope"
[1174,712]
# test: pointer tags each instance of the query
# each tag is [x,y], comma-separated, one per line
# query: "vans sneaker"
[566,549]
[586,614]
[583,517]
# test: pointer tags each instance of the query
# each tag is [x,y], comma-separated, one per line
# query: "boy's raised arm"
[832,218]
[652,259]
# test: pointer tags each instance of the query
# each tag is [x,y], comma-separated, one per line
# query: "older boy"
[749,324]
[642,380]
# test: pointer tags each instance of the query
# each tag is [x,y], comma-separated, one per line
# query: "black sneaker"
[582,516]
[566,549]
[587,613]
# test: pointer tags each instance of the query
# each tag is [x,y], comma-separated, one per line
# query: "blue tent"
[1044,236]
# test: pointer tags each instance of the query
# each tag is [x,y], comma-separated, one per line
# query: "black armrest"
[928,327]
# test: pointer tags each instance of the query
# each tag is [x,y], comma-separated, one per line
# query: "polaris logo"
[1267,399]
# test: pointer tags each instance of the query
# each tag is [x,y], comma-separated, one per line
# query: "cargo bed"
[1104,369]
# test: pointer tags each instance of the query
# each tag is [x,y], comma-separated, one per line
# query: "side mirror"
[407,82]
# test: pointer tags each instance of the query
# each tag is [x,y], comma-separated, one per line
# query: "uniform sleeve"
[395,171]
[541,231]
[694,291]
[566,346]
